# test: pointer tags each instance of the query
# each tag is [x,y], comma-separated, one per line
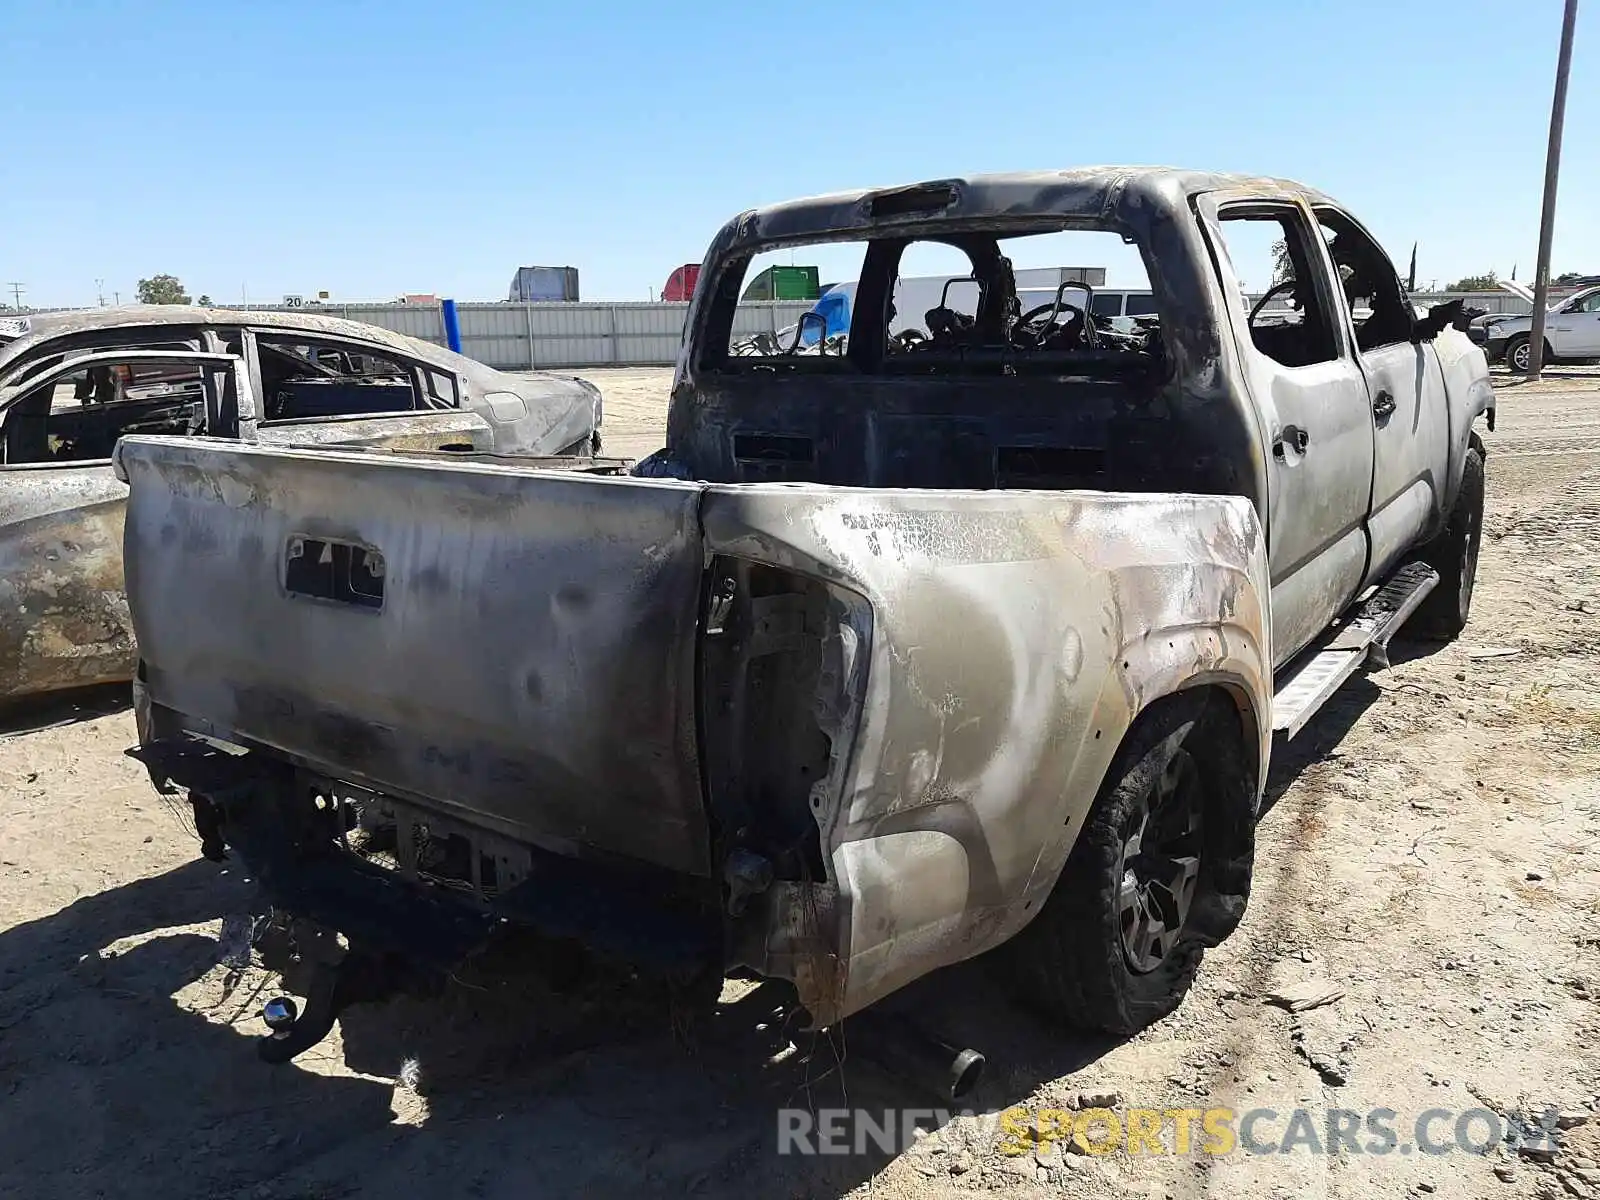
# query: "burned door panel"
[63,616]
[1405,391]
[1411,431]
[1315,429]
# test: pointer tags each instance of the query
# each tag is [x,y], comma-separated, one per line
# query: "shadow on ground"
[63,708]
[523,1086]
[528,1080]
[1335,719]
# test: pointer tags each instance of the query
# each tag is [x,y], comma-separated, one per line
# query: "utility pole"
[100,292]
[16,294]
[1552,169]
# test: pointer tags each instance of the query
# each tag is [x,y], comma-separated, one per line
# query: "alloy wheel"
[1160,865]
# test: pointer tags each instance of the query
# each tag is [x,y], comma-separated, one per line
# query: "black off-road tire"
[1069,964]
[1454,554]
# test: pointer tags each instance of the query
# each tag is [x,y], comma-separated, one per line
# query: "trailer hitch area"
[330,988]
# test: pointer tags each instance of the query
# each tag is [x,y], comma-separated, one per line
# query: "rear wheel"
[1160,870]
[1454,554]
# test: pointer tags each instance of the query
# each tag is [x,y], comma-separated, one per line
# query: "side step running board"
[1307,684]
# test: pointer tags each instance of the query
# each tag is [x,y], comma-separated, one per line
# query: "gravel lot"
[1431,849]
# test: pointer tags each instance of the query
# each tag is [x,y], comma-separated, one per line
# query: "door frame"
[214,389]
[1317,574]
[1413,439]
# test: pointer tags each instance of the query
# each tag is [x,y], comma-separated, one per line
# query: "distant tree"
[1282,264]
[204,301]
[1569,277]
[1487,282]
[162,289]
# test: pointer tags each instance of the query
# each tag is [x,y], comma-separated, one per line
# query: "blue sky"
[379,148]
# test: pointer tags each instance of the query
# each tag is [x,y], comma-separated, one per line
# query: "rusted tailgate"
[515,647]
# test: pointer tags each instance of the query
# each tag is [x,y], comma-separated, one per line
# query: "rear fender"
[1014,636]
[535,414]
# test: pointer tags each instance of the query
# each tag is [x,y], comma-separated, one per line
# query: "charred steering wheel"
[1054,310]
[1288,286]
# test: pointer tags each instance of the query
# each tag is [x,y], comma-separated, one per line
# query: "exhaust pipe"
[916,1056]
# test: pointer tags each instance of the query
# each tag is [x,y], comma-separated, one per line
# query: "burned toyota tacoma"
[903,649]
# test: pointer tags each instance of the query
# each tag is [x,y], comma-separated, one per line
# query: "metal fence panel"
[413,320]
[519,336]
[756,318]
[1494,302]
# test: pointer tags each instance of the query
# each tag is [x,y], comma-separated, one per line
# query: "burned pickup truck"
[899,652]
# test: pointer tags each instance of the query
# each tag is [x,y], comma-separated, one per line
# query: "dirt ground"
[1431,848]
[635,408]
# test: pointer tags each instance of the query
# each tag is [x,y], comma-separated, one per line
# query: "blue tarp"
[832,307]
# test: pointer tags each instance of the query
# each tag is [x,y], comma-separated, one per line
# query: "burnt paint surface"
[1207,424]
[531,664]
[559,410]
[1014,637]
[532,667]
[410,431]
[63,616]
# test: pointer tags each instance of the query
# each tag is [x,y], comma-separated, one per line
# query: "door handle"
[1383,407]
[1292,435]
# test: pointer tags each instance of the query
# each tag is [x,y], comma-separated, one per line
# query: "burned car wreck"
[71,384]
[972,640]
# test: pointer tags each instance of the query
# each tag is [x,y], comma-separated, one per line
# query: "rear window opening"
[955,356]
[1074,301]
